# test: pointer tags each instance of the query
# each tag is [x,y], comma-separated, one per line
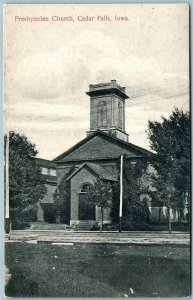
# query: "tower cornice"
[107,88]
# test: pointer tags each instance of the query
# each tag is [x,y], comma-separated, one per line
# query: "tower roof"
[106,88]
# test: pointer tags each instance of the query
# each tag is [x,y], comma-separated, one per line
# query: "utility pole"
[121,193]
[7,225]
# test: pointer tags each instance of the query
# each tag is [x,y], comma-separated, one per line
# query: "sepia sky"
[49,65]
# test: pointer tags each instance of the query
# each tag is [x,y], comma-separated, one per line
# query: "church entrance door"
[86,208]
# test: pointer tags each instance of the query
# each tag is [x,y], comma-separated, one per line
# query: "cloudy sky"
[49,65]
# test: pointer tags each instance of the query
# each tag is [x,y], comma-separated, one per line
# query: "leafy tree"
[135,210]
[26,186]
[114,214]
[170,140]
[101,195]
[62,199]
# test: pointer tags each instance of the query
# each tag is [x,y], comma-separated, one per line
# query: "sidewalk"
[92,237]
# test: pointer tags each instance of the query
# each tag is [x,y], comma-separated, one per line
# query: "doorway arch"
[86,209]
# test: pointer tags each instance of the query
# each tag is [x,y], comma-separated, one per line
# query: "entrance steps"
[94,237]
[82,227]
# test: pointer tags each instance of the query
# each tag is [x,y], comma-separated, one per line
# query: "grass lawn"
[45,270]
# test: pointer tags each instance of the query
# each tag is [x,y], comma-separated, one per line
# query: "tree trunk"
[101,220]
[169,220]
[160,208]
[187,205]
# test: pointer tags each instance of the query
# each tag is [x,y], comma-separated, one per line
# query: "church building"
[95,156]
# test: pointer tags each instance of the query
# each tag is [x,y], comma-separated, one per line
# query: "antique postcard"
[97,150]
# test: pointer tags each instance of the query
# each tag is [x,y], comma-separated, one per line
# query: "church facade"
[95,156]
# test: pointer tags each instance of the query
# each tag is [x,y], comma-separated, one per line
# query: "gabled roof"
[98,170]
[45,163]
[122,147]
[102,172]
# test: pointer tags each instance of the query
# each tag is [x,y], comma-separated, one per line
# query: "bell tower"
[107,109]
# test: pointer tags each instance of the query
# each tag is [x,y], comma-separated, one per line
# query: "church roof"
[98,170]
[102,172]
[101,145]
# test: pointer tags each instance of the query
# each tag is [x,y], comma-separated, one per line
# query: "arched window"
[85,188]
[102,114]
[120,115]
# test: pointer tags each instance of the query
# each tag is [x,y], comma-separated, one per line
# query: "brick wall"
[84,176]
[94,107]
